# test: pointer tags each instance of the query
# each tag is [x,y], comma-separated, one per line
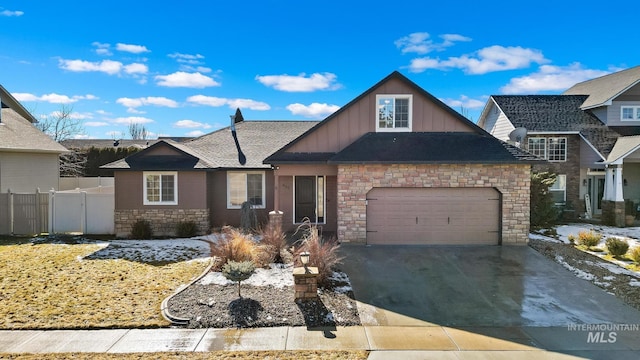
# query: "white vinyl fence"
[86,211]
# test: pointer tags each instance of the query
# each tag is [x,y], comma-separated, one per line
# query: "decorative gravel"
[613,279]
[209,303]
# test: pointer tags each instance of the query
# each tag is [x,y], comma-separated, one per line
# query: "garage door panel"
[453,216]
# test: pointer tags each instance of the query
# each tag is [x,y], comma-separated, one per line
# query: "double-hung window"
[551,148]
[559,190]
[393,112]
[160,188]
[630,113]
[245,186]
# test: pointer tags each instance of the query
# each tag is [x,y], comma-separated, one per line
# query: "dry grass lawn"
[53,286]
[219,355]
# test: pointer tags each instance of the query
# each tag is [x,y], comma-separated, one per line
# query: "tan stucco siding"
[512,181]
[129,191]
[24,172]
[360,118]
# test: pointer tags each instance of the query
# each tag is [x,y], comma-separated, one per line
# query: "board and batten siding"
[24,172]
[359,118]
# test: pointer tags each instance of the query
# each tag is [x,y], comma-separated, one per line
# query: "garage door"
[433,216]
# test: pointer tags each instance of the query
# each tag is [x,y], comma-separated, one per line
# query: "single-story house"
[393,166]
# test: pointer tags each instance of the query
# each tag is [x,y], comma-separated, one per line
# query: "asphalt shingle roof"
[217,150]
[557,113]
[430,148]
[19,134]
[605,88]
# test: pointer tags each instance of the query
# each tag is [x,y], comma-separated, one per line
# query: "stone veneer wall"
[163,221]
[512,181]
[613,213]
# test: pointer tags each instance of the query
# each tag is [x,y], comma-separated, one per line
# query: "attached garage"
[433,216]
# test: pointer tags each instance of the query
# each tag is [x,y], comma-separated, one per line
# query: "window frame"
[563,190]
[409,126]
[145,197]
[635,110]
[246,189]
[538,148]
[564,153]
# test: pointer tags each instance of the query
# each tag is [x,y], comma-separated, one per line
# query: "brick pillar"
[305,283]
[275,220]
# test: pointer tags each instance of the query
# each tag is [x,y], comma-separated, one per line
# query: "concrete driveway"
[493,286]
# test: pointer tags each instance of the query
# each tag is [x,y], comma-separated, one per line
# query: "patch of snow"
[579,273]
[634,282]
[153,250]
[277,276]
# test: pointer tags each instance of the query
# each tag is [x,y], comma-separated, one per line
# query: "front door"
[305,202]
[596,192]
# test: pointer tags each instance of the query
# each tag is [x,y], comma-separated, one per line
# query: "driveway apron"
[470,286]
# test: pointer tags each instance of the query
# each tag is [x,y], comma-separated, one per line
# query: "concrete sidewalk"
[384,342]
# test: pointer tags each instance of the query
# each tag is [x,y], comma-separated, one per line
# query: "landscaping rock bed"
[610,277]
[208,305]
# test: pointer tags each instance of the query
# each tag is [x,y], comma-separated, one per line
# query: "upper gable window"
[393,112]
[630,113]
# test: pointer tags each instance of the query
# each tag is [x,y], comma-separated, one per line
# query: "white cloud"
[489,59]
[315,110]
[132,120]
[232,103]
[95,123]
[190,124]
[115,134]
[135,49]
[53,98]
[187,58]
[136,68]
[82,136]
[106,66]
[195,133]
[102,48]
[551,78]
[420,42]
[184,79]
[11,13]
[300,83]
[103,112]
[149,100]
[464,102]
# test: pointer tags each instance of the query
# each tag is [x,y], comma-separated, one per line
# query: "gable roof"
[556,113]
[430,148]
[84,144]
[18,134]
[217,150]
[624,147]
[8,101]
[601,91]
[281,155]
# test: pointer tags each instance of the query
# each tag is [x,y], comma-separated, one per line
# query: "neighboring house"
[393,166]
[29,159]
[587,135]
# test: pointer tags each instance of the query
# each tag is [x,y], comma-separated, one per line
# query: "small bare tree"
[138,132]
[61,125]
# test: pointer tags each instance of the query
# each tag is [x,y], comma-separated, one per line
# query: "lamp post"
[304,258]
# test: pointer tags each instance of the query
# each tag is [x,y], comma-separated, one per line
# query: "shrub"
[589,238]
[273,246]
[238,271]
[635,254]
[186,229]
[324,253]
[543,211]
[233,246]
[141,229]
[572,239]
[617,247]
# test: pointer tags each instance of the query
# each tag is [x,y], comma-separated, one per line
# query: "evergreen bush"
[617,247]
[141,229]
[238,271]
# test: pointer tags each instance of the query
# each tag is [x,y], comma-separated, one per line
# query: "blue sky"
[180,68]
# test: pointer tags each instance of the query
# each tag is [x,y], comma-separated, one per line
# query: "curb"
[164,306]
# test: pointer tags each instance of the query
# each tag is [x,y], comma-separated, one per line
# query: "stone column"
[305,281]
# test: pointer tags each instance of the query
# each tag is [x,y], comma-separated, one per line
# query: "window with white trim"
[551,148]
[245,186]
[394,112]
[559,190]
[160,188]
[630,113]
